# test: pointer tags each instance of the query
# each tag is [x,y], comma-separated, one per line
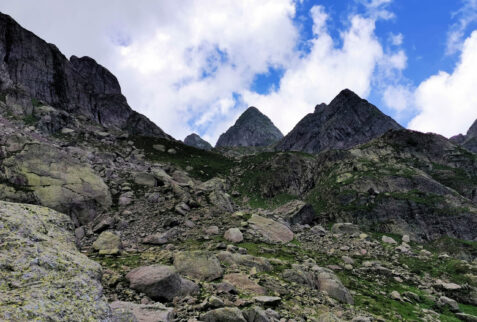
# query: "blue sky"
[194,66]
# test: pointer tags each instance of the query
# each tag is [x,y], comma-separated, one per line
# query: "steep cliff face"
[31,69]
[347,121]
[251,129]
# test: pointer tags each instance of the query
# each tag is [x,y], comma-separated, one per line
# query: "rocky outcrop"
[42,274]
[33,71]
[197,142]
[251,129]
[468,141]
[347,121]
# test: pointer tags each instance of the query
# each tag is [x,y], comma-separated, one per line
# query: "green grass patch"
[30,119]
[205,164]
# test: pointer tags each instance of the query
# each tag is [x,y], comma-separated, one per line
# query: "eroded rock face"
[197,142]
[251,129]
[42,274]
[30,68]
[347,121]
[55,180]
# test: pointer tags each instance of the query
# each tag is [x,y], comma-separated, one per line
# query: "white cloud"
[447,103]
[378,9]
[319,75]
[396,39]
[399,98]
[466,15]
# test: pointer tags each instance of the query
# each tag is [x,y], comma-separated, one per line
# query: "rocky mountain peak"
[197,142]
[468,141]
[252,128]
[472,132]
[347,121]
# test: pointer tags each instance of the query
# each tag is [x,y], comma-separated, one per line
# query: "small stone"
[406,239]
[268,300]
[233,235]
[159,147]
[388,240]
[347,260]
[395,296]
[212,230]
[449,303]
[215,302]
[171,151]
[107,243]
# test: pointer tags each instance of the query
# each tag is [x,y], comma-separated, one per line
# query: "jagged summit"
[252,128]
[468,141]
[197,142]
[33,70]
[347,121]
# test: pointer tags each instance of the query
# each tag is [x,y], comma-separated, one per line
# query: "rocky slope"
[347,121]
[197,142]
[33,71]
[468,141]
[252,128]
[383,231]
[404,182]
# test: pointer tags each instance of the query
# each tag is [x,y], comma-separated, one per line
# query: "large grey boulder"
[33,69]
[321,279]
[296,212]
[200,265]
[261,264]
[347,121]
[128,311]
[196,141]
[251,129]
[43,277]
[160,282]
[270,230]
[56,180]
